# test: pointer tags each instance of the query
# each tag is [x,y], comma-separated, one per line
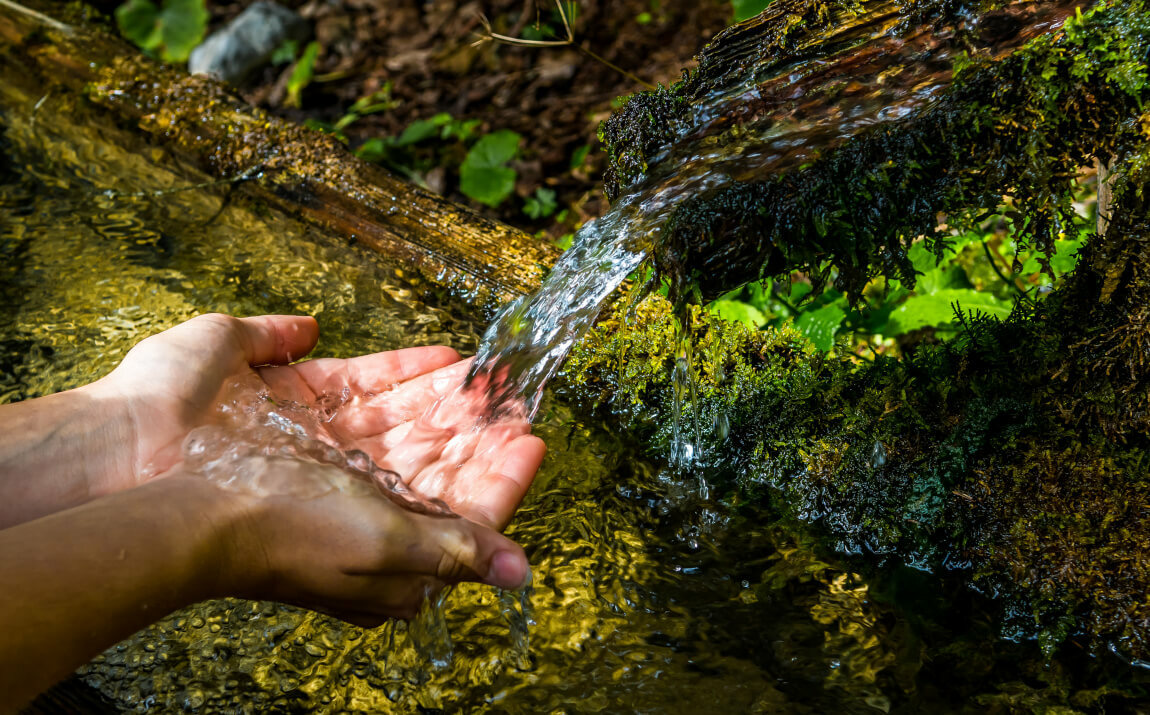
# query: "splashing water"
[264,446]
[871,70]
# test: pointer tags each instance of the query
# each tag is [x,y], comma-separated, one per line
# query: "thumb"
[466,551]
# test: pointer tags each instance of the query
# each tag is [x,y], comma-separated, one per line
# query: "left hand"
[168,385]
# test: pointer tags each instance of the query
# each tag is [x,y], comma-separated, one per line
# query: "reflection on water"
[647,597]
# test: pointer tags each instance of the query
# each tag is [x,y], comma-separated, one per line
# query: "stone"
[247,42]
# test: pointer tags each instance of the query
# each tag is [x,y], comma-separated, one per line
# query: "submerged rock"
[247,42]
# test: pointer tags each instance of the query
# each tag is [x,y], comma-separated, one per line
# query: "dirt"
[432,56]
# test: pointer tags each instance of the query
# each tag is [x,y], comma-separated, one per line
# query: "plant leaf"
[483,176]
[301,75]
[745,9]
[937,309]
[821,325]
[137,20]
[183,24]
[737,311]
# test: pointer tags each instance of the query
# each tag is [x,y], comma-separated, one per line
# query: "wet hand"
[352,554]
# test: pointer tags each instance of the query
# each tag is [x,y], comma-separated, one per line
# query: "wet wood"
[52,49]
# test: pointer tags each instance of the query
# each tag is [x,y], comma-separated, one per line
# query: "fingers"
[390,408]
[276,339]
[492,497]
[449,551]
[376,372]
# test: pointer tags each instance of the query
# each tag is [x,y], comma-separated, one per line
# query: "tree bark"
[299,171]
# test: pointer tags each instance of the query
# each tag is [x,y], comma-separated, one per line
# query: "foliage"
[969,278]
[301,74]
[172,30]
[1020,127]
[745,9]
[484,174]
[541,205]
[441,141]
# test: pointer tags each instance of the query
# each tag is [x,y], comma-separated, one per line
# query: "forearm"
[77,582]
[56,452]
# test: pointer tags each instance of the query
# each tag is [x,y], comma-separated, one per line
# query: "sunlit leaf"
[937,309]
[822,325]
[301,75]
[738,312]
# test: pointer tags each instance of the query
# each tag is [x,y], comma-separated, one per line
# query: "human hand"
[170,382]
[350,553]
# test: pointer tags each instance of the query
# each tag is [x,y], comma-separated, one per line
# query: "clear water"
[650,595]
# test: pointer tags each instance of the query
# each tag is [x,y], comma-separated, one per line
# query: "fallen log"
[296,170]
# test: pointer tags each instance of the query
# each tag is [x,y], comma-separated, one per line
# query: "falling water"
[868,71]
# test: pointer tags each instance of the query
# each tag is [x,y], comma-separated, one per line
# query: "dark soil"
[554,97]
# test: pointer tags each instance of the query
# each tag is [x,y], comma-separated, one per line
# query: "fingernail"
[508,571]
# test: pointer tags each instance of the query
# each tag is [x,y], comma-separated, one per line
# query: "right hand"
[352,553]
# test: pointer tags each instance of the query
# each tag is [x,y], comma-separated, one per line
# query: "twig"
[39,16]
[998,272]
[491,36]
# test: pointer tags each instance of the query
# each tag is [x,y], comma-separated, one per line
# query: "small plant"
[538,33]
[484,174]
[301,75]
[541,205]
[170,31]
[967,278]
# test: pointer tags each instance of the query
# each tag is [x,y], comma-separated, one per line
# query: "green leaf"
[937,309]
[301,75]
[137,20]
[821,325]
[579,156]
[1065,257]
[745,9]
[374,149]
[183,24]
[483,175]
[737,311]
[285,53]
[541,205]
[422,129]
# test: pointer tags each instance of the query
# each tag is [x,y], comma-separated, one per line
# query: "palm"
[480,468]
[173,379]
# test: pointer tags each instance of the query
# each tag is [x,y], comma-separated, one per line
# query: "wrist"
[230,559]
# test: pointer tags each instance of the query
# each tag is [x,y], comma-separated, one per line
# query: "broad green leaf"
[483,176]
[738,312]
[183,24]
[137,20]
[489,185]
[301,75]
[1065,257]
[494,149]
[579,156]
[373,149]
[942,278]
[937,309]
[821,325]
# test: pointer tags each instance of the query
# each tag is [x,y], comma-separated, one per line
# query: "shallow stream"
[647,598]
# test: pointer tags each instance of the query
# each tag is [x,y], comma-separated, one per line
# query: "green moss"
[984,456]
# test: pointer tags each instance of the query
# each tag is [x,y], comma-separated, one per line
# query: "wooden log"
[301,172]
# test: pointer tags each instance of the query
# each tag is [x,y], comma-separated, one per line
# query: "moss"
[1019,126]
[987,456]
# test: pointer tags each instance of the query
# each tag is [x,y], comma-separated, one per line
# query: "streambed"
[647,598]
